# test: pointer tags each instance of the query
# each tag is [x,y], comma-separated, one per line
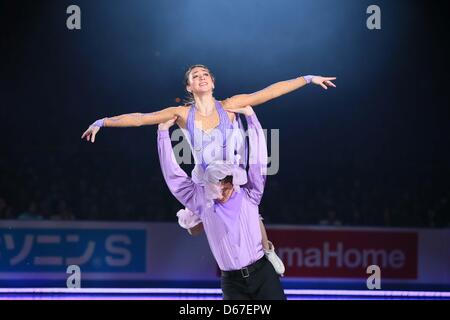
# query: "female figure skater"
[204,116]
[205,109]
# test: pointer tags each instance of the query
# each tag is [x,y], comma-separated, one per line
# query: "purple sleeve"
[180,185]
[257,169]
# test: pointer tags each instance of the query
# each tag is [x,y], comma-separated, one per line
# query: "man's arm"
[257,171]
[180,185]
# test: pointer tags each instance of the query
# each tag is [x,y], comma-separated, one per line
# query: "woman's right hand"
[93,129]
[90,133]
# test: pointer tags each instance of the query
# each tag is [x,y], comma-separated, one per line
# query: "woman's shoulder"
[225,104]
[185,107]
[182,113]
[183,110]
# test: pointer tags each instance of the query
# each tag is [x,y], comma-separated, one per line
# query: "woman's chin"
[203,91]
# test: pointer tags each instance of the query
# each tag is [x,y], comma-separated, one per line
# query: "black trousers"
[262,284]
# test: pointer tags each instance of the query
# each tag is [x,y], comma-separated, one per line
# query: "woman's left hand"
[325,82]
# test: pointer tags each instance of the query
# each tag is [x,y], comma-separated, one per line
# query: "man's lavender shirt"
[236,243]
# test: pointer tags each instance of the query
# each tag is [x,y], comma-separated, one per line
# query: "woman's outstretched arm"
[132,120]
[275,90]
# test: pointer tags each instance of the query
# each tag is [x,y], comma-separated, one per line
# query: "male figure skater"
[227,204]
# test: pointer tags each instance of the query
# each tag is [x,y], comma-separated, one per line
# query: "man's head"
[226,189]
[221,179]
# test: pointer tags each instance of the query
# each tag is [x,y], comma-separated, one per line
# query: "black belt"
[246,271]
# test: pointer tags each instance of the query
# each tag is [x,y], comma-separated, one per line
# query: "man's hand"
[247,111]
[166,125]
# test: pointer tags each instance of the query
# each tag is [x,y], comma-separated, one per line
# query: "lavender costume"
[225,142]
[232,228]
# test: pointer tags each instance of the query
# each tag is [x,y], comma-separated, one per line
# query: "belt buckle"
[245,273]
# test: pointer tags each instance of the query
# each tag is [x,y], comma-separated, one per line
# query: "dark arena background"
[359,207]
